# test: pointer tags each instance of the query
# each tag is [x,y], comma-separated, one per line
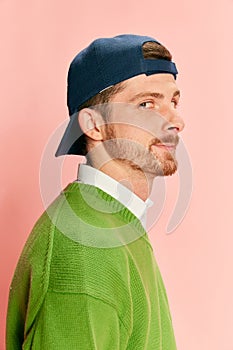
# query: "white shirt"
[92,176]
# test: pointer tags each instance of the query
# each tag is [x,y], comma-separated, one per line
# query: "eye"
[146,105]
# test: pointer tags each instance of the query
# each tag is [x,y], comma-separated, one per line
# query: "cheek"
[137,134]
[116,130]
[131,122]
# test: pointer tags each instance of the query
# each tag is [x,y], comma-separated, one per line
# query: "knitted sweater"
[87,279]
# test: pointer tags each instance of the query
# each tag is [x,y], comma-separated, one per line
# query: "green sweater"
[87,279]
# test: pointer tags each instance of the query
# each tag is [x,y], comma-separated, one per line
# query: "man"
[87,277]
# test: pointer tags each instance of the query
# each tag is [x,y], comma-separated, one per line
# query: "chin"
[166,165]
[169,168]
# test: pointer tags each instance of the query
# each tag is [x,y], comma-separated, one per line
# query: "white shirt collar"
[92,176]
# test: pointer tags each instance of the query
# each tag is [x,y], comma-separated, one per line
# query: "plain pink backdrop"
[38,40]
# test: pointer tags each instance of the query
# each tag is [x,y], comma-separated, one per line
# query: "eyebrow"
[152,94]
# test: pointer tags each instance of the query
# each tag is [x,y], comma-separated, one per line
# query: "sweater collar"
[92,176]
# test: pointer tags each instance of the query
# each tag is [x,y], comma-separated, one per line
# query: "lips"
[168,146]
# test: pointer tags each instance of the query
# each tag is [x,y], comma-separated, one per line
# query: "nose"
[173,123]
[176,124]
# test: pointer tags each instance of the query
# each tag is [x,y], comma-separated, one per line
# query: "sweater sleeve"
[76,321]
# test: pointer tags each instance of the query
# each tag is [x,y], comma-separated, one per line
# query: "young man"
[87,277]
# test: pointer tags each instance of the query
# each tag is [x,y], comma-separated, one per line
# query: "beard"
[138,157]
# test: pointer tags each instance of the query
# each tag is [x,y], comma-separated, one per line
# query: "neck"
[134,179]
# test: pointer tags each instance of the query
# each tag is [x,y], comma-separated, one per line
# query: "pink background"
[38,40]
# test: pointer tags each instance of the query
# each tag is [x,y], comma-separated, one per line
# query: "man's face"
[143,125]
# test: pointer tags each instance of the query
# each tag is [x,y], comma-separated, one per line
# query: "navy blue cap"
[105,62]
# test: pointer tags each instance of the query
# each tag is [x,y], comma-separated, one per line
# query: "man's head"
[142,85]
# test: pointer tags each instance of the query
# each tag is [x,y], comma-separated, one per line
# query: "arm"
[76,321]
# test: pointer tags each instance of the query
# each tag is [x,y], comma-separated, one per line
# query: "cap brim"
[72,141]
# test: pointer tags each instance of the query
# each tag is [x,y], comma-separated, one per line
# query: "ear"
[90,122]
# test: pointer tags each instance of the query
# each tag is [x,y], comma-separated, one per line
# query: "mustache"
[174,139]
